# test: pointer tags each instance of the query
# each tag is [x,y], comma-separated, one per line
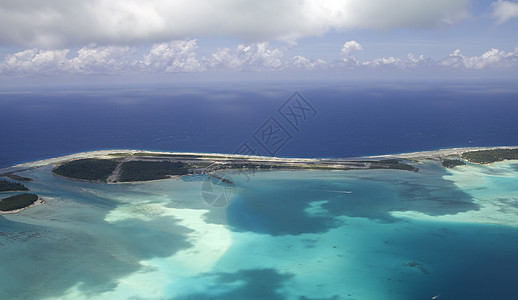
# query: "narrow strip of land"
[133,167]
[114,166]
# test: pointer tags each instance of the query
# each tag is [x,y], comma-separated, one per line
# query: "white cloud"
[503,11]
[93,59]
[35,61]
[410,62]
[253,57]
[493,58]
[89,59]
[383,61]
[303,63]
[176,56]
[348,50]
[55,23]
[351,48]
[183,56]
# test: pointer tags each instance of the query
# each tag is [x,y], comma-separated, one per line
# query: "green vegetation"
[151,170]
[451,163]
[18,177]
[144,166]
[17,201]
[87,169]
[392,164]
[7,186]
[490,156]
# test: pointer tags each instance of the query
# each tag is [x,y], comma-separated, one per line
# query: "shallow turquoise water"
[374,234]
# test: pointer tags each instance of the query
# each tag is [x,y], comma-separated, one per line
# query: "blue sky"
[261,39]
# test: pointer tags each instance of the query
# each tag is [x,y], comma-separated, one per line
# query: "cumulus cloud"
[183,56]
[493,58]
[349,61]
[35,61]
[503,11]
[94,59]
[176,56]
[350,48]
[58,23]
[302,63]
[253,57]
[90,59]
[410,62]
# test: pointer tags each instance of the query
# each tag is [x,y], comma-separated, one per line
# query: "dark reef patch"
[283,208]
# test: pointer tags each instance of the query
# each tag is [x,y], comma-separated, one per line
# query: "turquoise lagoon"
[369,234]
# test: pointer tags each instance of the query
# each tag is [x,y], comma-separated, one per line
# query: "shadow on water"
[249,284]
[72,245]
[283,207]
[94,258]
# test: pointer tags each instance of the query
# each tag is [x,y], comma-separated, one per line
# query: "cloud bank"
[493,58]
[59,23]
[183,56]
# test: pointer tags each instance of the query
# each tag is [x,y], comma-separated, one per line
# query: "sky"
[56,39]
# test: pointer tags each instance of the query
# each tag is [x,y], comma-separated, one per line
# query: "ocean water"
[370,234]
[347,119]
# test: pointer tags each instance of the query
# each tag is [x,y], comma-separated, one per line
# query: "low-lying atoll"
[119,166]
[147,166]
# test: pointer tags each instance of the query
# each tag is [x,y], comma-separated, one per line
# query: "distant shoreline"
[441,153]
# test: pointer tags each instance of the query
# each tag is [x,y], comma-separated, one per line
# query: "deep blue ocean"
[345,120]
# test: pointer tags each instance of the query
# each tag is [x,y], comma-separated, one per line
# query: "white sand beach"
[105,154]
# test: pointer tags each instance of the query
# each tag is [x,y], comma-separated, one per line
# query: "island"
[151,170]
[451,163]
[13,176]
[490,155]
[129,166]
[9,186]
[91,169]
[133,166]
[19,202]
